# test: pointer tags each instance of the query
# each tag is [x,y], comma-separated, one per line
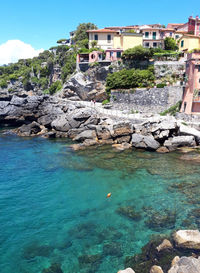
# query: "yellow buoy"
[109,195]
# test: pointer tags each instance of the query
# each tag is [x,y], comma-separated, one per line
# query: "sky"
[40,23]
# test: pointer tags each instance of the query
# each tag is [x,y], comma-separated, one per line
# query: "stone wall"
[154,100]
[165,68]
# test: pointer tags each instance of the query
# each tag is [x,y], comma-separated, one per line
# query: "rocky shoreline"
[52,116]
[163,255]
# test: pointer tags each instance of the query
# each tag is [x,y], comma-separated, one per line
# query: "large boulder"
[156,269]
[186,130]
[87,134]
[61,124]
[186,265]
[179,141]
[187,239]
[122,129]
[146,142]
[31,129]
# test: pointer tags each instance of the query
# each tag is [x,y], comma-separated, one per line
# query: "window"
[154,44]
[198,68]
[96,37]
[146,44]
[109,38]
[182,43]
[185,104]
[118,54]
[170,34]
[154,35]
[177,36]
[146,34]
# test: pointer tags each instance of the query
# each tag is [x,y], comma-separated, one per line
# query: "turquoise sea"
[53,205]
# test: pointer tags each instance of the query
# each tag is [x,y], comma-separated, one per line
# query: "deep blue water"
[53,205]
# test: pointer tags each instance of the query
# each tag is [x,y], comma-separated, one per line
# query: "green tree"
[80,33]
[170,44]
[137,53]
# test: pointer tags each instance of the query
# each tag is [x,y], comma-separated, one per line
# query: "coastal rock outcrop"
[127,270]
[179,141]
[186,265]
[146,142]
[187,239]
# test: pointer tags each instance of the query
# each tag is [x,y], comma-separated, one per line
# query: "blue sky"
[42,22]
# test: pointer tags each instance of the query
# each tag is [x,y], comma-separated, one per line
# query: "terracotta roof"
[190,35]
[123,27]
[101,30]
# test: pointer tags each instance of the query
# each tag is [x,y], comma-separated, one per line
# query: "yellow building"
[115,38]
[188,42]
[127,40]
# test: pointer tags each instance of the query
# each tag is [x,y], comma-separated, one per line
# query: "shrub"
[105,102]
[56,86]
[60,41]
[137,53]
[3,83]
[161,85]
[126,79]
[172,110]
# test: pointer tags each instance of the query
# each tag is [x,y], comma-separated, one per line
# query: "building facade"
[191,96]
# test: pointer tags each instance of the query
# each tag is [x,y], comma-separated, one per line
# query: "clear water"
[53,205]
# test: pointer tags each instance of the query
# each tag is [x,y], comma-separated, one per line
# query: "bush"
[94,64]
[3,84]
[161,85]
[126,79]
[172,110]
[105,102]
[56,86]
[137,53]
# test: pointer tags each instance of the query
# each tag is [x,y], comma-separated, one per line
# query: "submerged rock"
[33,250]
[129,212]
[158,220]
[112,249]
[54,268]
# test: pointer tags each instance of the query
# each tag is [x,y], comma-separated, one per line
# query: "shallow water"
[53,205]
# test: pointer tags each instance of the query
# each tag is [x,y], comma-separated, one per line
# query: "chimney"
[197,17]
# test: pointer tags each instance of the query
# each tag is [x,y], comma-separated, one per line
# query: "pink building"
[191,27]
[191,96]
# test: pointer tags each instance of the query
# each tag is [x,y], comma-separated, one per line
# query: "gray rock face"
[146,142]
[88,134]
[180,141]
[186,265]
[87,86]
[187,239]
[186,130]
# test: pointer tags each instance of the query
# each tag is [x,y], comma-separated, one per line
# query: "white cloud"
[13,50]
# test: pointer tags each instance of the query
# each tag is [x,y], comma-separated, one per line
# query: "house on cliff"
[191,96]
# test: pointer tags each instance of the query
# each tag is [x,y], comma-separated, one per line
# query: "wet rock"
[187,239]
[186,265]
[54,268]
[156,269]
[129,212]
[112,249]
[166,244]
[123,139]
[162,150]
[122,147]
[147,142]
[87,134]
[31,129]
[61,124]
